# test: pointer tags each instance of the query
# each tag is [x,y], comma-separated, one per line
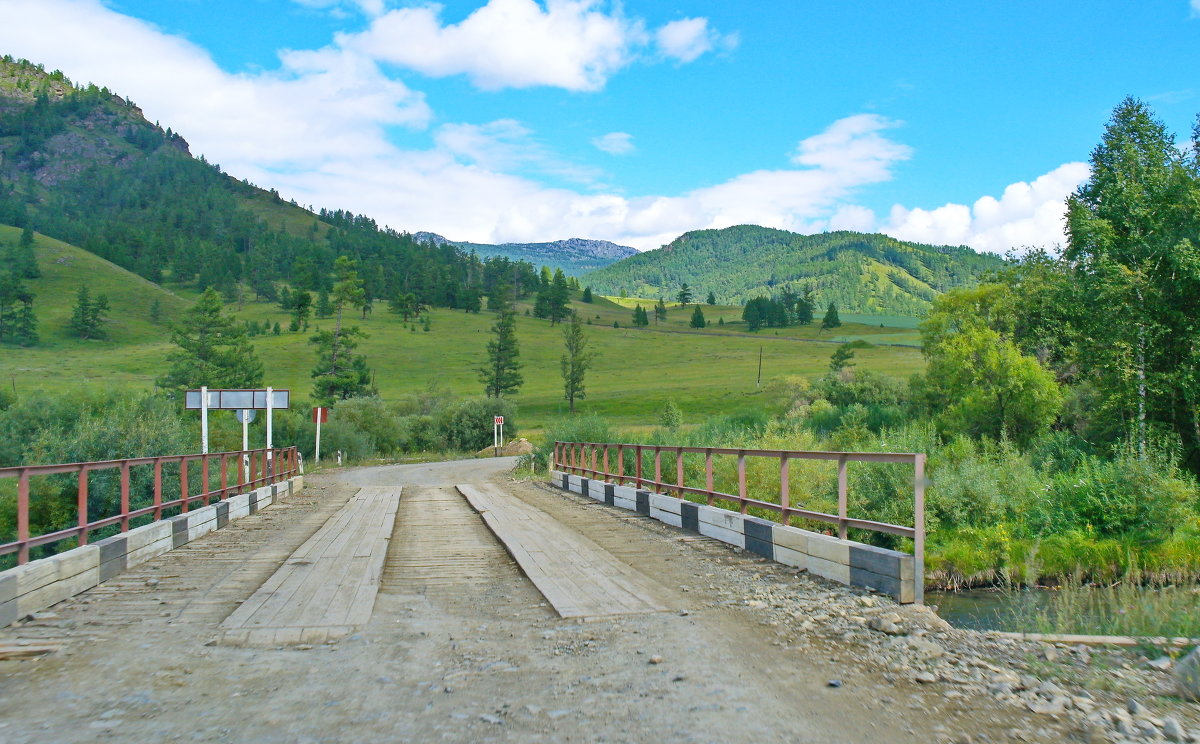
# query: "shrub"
[466,426]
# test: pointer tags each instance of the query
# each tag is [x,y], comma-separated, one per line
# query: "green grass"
[634,373]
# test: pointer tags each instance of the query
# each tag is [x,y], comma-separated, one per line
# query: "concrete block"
[8,587]
[758,529]
[201,516]
[764,548]
[628,493]
[116,566]
[790,557]
[839,572]
[76,561]
[722,518]
[722,534]
[112,548]
[147,535]
[146,552]
[8,613]
[689,516]
[179,530]
[829,548]
[610,491]
[252,501]
[33,576]
[665,503]
[881,561]
[666,517]
[900,590]
[51,594]
[642,503]
[222,514]
[792,538]
[584,486]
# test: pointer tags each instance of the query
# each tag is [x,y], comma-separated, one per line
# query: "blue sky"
[634,122]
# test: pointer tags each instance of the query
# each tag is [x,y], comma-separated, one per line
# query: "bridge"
[448,602]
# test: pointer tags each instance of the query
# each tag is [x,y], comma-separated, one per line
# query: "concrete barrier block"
[33,576]
[881,561]
[56,592]
[147,535]
[146,552]
[790,557]
[829,548]
[665,503]
[722,518]
[792,538]
[629,493]
[8,613]
[642,503]
[666,517]
[8,587]
[610,494]
[831,570]
[689,516]
[76,561]
[722,534]
[902,591]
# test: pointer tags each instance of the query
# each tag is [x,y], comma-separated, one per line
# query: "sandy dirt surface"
[461,647]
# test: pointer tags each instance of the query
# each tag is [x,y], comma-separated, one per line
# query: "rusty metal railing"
[593,459]
[251,469]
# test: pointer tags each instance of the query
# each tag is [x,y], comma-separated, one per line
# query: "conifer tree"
[24,257]
[587,295]
[660,311]
[575,362]
[501,375]
[18,324]
[212,350]
[684,296]
[711,300]
[831,318]
[88,315]
[697,320]
[340,373]
[640,319]
[559,298]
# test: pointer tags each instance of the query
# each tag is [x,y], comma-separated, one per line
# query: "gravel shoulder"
[461,647]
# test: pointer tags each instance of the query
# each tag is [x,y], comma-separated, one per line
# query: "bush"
[587,428]
[466,426]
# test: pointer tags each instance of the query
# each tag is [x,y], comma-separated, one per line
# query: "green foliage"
[18,324]
[711,299]
[697,320]
[840,359]
[87,317]
[861,273]
[670,417]
[340,373]
[640,319]
[587,295]
[831,319]
[501,374]
[212,350]
[466,426]
[684,295]
[576,360]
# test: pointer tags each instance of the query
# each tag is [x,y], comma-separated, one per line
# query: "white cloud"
[614,143]
[1026,215]
[370,8]
[688,38]
[1195,5]
[569,44]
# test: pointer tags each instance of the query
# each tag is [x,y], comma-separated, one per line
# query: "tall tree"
[831,319]
[587,295]
[1132,244]
[501,375]
[25,257]
[301,304]
[711,299]
[340,373]
[660,311]
[576,360]
[560,297]
[212,350]
[640,319]
[684,296]
[88,315]
[697,320]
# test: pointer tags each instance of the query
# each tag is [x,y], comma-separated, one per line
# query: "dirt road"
[461,647]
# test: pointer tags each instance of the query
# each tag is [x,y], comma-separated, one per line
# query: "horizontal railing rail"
[594,459]
[251,469]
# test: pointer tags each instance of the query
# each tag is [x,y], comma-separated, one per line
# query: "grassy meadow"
[635,371]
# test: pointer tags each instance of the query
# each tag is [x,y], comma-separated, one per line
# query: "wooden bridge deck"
[579,578]
[327,587]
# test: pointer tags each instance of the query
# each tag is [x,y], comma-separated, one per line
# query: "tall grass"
[1124,609]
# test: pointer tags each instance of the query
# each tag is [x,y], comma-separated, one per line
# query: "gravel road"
[461,647]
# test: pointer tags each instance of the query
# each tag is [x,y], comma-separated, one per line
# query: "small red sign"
[499,420]
[320,415]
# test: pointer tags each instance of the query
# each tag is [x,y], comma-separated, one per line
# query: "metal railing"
[593,459]
[250,469]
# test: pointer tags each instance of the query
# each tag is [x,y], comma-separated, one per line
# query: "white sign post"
[317,454]
[320,415]
[270,454]
[204,420]
[245,415]
[498,433]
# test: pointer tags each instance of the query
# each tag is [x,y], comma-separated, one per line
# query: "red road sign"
[320,415]
[499,420]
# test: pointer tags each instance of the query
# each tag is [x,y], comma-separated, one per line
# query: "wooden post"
[842,497]
[637,451]
[23,517]
[157,488]
[125,496]
[679,470]
[224,475]
[785,496]
[183,485]
[657,467]
[81,505]
[606,461]
[708,474]
[919,530]
[620,464]
[742,481]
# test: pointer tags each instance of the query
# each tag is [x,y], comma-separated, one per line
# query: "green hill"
[861,273]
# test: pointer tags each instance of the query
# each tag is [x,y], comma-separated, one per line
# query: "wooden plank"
[9,651]
[329,584]
[576,576]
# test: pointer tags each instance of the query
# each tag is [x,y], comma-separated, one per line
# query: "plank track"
[579,578]
[328,585]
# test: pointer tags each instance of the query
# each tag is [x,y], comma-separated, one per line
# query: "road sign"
[499,421]
[245,415]
[320,415]
[237,399]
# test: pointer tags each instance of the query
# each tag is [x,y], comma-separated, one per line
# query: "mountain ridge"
[572,255]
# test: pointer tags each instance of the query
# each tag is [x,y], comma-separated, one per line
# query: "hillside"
[861,273]
[574,256]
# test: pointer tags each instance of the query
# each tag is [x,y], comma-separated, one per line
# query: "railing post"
[81,505]
[620,464]
[23,517]
[224,476]
[157,488]
[708,474]
[742,481]
[637,451]
[125,496]
[183,485]
[592,447]
[919,529]
[843,498]
[605,461]
[785,495]
[657,467]
[679,470]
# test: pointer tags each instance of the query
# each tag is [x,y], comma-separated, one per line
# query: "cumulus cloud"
[1026,215]
[1195,6]
[614,143]
[569,44]
[688,38]
[370,8]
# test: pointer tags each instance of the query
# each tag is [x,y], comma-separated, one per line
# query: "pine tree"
[711,300]
[575,362]
[324,306]
[25,257]
[587,295]
[685,295]
[501,375]
[560,297]
[640,319]
[212,350]
[660,311]
[831,318]
[88,315]
[805,307]
[18,324]
[752,315]
[302,303]
[697,318]
[340,373]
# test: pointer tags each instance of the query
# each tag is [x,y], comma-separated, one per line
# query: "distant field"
[635,372]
